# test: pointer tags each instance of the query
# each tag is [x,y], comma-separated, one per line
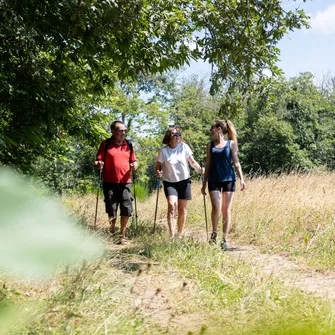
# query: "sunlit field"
[293,215]
[157,286]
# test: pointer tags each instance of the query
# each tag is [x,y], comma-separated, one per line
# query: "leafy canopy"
[60,58]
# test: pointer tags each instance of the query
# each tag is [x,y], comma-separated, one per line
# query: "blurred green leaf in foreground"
[35,233]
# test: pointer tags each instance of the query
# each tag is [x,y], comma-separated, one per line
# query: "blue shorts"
[181,189]
[224,186]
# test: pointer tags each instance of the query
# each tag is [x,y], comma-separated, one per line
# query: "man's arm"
[99,160]
[133,162]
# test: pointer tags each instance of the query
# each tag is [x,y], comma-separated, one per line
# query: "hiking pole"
[158,187]
[134,176]
[96,205]
[203,179]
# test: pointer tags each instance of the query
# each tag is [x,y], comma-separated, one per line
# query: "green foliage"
[272,147]
[60,60]
[287,126]
[141,191]
[194,111]
[311,116]
[36,236]
[148,148]
[69,169]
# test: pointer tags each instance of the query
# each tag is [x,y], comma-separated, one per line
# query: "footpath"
[163,295]
[291,273]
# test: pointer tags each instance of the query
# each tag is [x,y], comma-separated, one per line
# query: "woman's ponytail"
[231,131]
[227,128]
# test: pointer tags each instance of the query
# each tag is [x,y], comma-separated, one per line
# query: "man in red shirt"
[116,161]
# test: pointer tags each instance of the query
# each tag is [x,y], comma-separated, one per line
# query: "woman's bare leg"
[227,201]
[171,214]
[182,212]
[216,204]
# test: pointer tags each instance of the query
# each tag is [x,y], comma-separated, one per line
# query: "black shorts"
[224,186]
[115,194]
[181,189]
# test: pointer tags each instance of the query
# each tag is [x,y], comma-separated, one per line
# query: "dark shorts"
[181,189]
[118,194]
[224,186]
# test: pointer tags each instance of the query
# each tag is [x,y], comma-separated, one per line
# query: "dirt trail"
[160,293]
[290,272]
[162,296]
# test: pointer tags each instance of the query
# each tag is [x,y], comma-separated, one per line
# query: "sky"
[311,50]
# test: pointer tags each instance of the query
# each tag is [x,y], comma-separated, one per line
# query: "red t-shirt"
[117,162]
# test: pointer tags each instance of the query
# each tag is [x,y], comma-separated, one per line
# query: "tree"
[194,109]
[59,58]
[273,148]
[309,113]
[288,125]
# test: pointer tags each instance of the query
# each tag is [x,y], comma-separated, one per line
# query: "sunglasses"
[177,134]
[122,131]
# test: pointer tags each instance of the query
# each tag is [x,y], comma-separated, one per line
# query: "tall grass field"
[185,286]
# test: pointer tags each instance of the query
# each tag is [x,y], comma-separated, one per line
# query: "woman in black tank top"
[219,174]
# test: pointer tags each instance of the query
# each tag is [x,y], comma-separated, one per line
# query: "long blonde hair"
[227,128]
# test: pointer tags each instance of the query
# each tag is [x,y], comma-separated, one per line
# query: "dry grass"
[292,214]
[156,287]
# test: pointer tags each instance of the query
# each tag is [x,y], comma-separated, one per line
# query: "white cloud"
[324,22]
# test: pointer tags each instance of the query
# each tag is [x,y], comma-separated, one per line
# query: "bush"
[141,191]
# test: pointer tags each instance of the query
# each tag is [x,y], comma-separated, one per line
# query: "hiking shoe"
[112,231]
[224,244]
[212,240]
[122,241]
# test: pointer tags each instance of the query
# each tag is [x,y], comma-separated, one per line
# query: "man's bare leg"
[124,225]
[112,221]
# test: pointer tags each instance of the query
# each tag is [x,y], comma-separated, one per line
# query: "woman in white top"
[174,158]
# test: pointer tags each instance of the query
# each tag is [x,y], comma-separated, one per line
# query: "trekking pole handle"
[160,170]
[202,174]
[158,187]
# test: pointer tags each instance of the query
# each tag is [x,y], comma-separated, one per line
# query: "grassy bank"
[292,215]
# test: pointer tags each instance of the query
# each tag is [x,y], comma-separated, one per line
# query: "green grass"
[142,191]
[242,300]
[157,286]
[108,297]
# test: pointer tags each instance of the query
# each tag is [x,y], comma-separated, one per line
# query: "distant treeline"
[285,125]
